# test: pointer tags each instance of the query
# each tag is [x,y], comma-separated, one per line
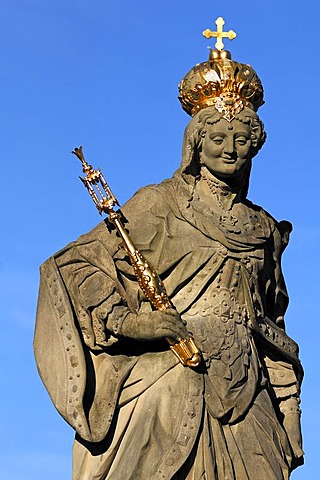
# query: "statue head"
[225,147]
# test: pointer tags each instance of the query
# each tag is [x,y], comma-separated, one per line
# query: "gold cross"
[219,34]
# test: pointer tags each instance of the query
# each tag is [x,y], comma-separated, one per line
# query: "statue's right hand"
[154,325]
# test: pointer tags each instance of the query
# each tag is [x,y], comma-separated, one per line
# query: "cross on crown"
[219,34]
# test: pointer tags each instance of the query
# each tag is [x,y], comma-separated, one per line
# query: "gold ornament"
[227,85]
[149,281]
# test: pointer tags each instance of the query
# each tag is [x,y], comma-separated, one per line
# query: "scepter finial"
[86,168]
[219,34]
[96,185]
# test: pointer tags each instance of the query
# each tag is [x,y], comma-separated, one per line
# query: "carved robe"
[138,413]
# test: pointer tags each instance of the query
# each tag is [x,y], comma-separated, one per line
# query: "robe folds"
[137,412]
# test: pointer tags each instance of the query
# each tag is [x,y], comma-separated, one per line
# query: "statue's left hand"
[155,325]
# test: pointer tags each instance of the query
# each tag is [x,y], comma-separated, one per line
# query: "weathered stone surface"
[138,413]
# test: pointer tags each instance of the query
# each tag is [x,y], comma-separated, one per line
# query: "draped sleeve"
[284,376]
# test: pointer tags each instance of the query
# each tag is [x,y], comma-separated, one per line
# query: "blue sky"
[104,74]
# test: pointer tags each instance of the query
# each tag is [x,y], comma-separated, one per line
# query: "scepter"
[149,281]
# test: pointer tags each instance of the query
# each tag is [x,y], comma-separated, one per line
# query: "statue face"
[226,147]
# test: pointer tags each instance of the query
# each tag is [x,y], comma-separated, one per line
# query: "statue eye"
[217,140]
[241,140]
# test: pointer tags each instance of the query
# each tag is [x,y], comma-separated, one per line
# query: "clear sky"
[104,74]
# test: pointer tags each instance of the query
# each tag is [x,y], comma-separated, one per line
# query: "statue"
[101,347]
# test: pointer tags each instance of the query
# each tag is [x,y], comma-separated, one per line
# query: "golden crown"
[220,82]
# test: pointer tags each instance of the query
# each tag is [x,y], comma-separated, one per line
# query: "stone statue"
[139,414]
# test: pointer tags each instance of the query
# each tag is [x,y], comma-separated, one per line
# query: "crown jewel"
[227,85]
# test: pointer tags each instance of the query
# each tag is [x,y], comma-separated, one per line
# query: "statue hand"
[292,426]
[154,325]
[291,422]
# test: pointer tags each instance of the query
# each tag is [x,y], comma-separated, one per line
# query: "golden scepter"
[149,281]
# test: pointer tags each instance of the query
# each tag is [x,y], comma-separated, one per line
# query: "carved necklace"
[227,220]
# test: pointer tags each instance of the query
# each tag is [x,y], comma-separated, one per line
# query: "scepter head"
[96,185]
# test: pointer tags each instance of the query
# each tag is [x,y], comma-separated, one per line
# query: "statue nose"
[229,146]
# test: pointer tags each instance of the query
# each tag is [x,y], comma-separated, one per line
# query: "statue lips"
[229,160]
